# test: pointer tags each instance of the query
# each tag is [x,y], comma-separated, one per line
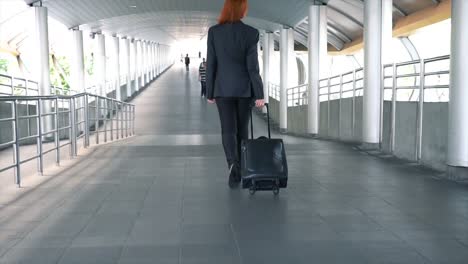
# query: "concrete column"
[158,60]
[151,61]
[372,72]
[77,67]
[268,48]
[101,64]
[43,68]
[317,51]
[284,64]
[155,74]
[135,68]
[145,62]
[457,153]
[128,62]
[140,65]
[42,38]
[116,56]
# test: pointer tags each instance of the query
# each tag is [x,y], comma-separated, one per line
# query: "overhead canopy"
[173,20]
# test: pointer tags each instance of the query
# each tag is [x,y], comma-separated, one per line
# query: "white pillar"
[128,62]
[457,154]
[140,65]
[77,67]
[135,67]
[155,74]
[372,72]
[158,60]
[151,61]
[147,63]
[284,64]
[42,64]
[42,38]
[317,50]
[268,48]
[101,64]
[116,59]
[144,61]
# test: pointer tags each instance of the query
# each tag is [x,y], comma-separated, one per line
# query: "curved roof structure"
[172,20]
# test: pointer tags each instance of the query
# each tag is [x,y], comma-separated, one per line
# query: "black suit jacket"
[232,62]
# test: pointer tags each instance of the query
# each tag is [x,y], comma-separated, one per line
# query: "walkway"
[162,197]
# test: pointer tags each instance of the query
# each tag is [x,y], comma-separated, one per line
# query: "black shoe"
[233,177]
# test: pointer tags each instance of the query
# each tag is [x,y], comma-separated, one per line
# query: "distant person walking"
[233,81]
[187,62]
[202,77]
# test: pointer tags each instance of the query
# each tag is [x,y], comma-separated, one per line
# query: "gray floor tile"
[150,254]
[162,197]
[85,255]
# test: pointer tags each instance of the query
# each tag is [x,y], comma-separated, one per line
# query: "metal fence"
[88,115]
[419,81]
[297,95]
[10,85]
[274,91]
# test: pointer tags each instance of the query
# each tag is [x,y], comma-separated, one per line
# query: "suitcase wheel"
[252,188]
[276,190]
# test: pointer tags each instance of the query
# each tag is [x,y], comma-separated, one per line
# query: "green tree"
[3,66]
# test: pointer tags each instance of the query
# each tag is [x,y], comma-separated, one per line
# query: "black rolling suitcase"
[263,162]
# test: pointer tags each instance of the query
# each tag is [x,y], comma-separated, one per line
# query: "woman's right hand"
[259,103]
[211,101]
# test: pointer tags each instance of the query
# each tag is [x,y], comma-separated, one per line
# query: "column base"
[312,135]
[369,146]
[283,130]
[457,173]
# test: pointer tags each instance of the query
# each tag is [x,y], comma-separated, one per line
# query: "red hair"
[233,11]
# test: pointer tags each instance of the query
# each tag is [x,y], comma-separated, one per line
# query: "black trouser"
[234,114]
[203,88]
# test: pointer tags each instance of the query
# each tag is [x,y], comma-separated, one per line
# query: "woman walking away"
[233,79]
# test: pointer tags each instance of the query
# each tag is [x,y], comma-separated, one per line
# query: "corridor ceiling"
[172,20]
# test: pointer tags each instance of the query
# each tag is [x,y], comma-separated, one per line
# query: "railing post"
[328,108]
[122,108]
[339,106]
[86,120]
[382,97]
[117,119]
[40,160]
[126,120]
[111,117]
[134,117]
[57,134]
[16,147]
[73,127]
[353,110]
[96,119]
[106,110]
[393,114]
[422,70]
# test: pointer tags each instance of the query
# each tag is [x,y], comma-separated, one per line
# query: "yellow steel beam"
[7,49]
[405,25]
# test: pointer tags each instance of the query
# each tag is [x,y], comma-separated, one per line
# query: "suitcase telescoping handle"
[268,120]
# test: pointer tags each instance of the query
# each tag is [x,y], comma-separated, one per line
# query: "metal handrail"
[104,115]
[297,95]
[274,91]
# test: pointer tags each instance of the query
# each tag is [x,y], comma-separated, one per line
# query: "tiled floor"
[162,197]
